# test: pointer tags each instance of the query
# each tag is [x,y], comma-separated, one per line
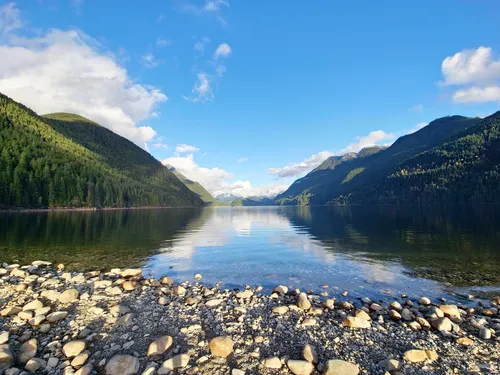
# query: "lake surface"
[373,251]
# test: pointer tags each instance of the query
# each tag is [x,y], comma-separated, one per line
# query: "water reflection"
[369,250]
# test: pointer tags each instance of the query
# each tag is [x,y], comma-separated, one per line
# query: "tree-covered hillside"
[465,169]
[340,175]
[196,188]
[252,201]
[65,160]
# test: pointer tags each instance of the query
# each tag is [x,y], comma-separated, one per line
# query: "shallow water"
[373,251]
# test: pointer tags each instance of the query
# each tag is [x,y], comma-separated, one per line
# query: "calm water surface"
[375,251]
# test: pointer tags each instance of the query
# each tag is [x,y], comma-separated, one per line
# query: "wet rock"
[356,322]
[407,315]
[418,355]
[68,296]
[303,302]
[179,290]
[309,354]
[166,280]
[122,365]
[221,346]
[394,315]
[160,345]
[339,367]
[272,362]
[424,301]
[450,311]
[281,289]
[442,324]
[423,322]
[6,357]
[329,304]
[27,351]
[179,361]
[299,367]
[73,348]
[198,277]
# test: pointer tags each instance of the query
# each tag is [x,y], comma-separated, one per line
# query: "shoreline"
[84,209]
[120,322]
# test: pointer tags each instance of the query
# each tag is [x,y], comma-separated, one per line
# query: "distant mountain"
[65,160]
[226,198]
[340,175]
[464,169]
[195,187]
[253,201]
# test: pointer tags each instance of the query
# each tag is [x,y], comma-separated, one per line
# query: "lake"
[374,251]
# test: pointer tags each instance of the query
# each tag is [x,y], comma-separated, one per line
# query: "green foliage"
[65,160]
[352,174]
[465,169]
[252,201]
[338,176]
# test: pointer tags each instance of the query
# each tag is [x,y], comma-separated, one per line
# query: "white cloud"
[67,71]
[159,145]
[418,127]
[223,50]
[149,61]
[241,160]
[307,165]
[477,95]
[202,90]
[371,139]
[215,5]
[471,66]
[10,18]
[218,181]
[295,169]
[183,148]
[416,108]
[163,42]
[476,72]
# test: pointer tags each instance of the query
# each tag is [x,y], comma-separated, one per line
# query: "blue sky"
[247,96]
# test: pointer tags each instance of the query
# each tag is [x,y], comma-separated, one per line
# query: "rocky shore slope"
[121,322]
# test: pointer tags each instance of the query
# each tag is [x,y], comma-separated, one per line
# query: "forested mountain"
[253,201]
[464,169]
[196,188]
[64,160]
[339,176]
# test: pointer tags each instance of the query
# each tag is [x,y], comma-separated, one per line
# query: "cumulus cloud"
[202,90]
[307,165]
[295,169]
[199,46]
[218,181]
[10,18]
[67,71]
[476,72]
[223,50]
[371,139]
[183,148]
[215,5]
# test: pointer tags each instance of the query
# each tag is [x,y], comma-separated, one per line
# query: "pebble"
[160,345]
[340,367]
[309,354]
[6,357]
[73,348]
[221,346]
[299,367]
[179,361]
[356,322]
[122,365]
[419,355]
[27,351]
[485,333]
[68,296]
[303,302]
[272,362]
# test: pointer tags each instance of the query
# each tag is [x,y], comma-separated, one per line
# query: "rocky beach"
[123,322]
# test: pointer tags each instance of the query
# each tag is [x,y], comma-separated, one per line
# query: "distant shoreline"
[76,209]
